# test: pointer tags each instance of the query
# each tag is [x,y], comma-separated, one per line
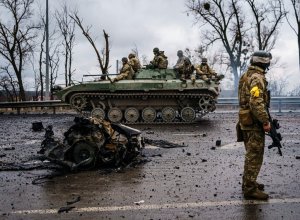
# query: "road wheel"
[168,114]
[149,114]
[132,115]
[98,113]
[83,151]
[115,115]
[78,102]
[188,114]
[206,103]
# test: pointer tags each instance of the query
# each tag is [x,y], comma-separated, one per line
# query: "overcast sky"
[146,24]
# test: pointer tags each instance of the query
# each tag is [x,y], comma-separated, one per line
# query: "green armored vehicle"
[154,96]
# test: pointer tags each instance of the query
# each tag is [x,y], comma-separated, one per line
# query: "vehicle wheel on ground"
[83,151]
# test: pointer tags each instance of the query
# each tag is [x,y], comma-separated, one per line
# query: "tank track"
[81,102]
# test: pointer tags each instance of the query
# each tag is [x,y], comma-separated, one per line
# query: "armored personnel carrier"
[154,96]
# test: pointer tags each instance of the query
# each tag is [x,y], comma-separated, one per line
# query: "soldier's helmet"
[261,58]
[124,60]
[131,55]
[155,50]
[179,53]
[204,60]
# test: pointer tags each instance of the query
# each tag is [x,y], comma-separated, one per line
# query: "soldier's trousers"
[121,76]
[254,144]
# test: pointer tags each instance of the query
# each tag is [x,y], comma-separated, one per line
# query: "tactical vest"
[135,64]
[246,118]
[127,70]
[244,86]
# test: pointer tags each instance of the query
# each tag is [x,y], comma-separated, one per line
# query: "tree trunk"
[41,74]
[236,78]
[22,95]
[70,65]
[66,65]
[299,44]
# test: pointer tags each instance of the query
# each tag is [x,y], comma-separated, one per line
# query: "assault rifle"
[276,137]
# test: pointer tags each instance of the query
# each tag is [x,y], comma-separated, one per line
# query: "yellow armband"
[254,91]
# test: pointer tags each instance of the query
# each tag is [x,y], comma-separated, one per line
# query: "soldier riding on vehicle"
[134,62]
[160,60]
[183,66]
[204,72]
[126,71]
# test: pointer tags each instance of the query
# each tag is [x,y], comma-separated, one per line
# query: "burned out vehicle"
[91,143]
[153,96]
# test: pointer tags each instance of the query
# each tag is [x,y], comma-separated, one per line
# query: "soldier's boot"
[256,194]
[259,186]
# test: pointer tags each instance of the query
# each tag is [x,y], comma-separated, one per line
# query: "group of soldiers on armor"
[183,67]
[129,68]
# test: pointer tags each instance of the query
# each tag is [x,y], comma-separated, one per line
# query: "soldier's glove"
[267,126]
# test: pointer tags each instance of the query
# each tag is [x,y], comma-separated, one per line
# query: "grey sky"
[147,24]
[141,23]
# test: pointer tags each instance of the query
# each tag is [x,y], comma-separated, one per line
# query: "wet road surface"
[199,181]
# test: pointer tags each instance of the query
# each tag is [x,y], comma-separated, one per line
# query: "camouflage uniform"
[160,60]
[134,62]
[186,69]
[183,66]
[253,98]
[126,72]
[204,72]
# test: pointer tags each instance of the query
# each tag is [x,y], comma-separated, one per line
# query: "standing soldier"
[134,62]
[254,122]
[160,60]
[126,71]
[183,66]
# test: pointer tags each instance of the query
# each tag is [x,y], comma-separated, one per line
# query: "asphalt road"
[199,181]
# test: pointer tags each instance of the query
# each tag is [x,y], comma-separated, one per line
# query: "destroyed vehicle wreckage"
[91,143]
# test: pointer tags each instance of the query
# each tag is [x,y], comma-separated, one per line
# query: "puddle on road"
[232,146]
[4,146]
[187,134]
[148,146]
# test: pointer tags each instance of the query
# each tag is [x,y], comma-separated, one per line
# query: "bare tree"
[67,30]
[296,28]
[41,53]
[54,66]
[268,15]
[295,91]
[102,60]
[225,22]
[8,84]
[277,85]
[54,53]
[17,37]
[135,51]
